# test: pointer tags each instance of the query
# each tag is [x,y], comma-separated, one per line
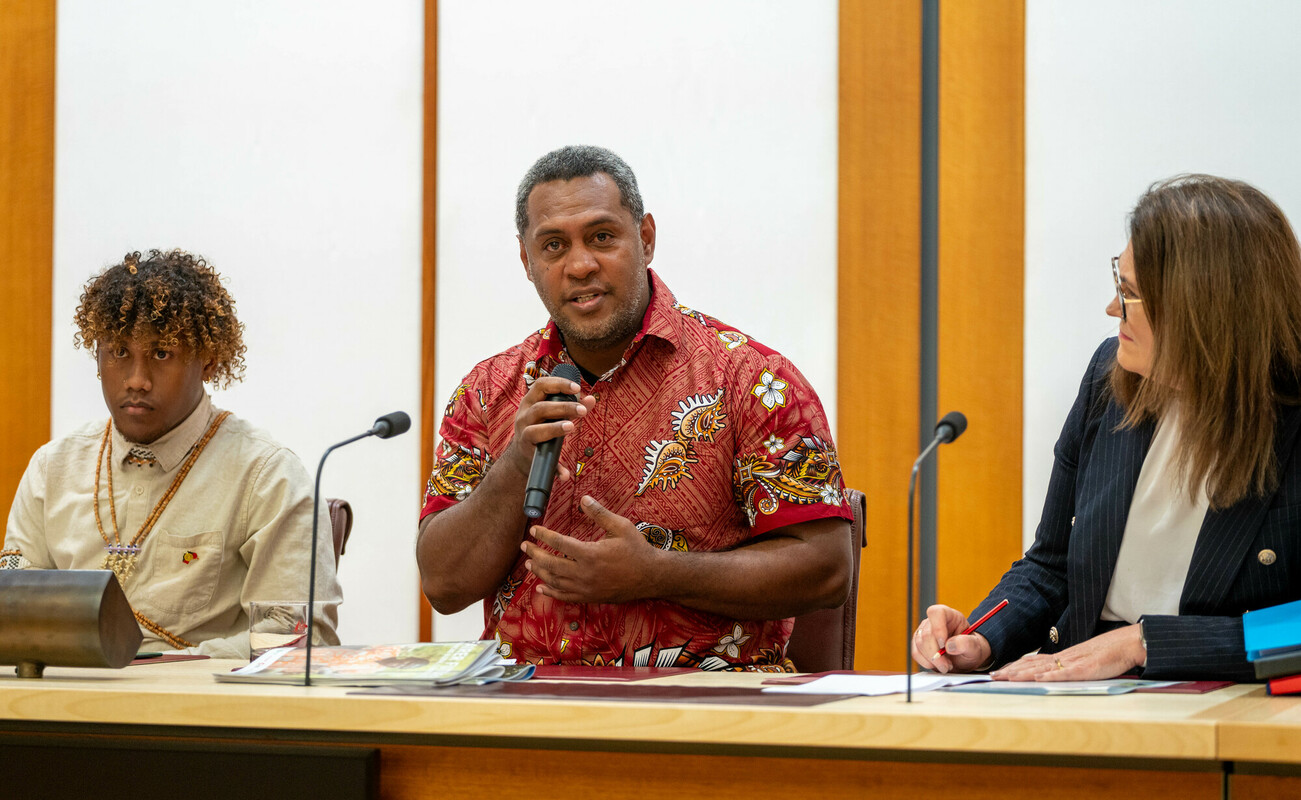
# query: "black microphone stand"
[948,429]
[912,493]
[386,426]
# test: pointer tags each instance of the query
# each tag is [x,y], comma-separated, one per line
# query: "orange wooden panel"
[429,198]
[1264,787]
[981,287]
[408,772]
[419,772]
[879,288]
[27,238]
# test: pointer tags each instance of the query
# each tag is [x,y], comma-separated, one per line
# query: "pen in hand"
[972,627]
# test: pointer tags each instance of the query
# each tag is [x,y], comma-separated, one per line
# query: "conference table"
[170,729]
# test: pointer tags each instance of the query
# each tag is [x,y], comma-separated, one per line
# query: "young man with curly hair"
[198,512]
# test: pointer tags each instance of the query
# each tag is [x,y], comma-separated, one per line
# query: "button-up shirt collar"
[171,448]
[662,321]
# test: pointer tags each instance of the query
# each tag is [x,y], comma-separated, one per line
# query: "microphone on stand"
[542,473]
[392,424]
[947,429]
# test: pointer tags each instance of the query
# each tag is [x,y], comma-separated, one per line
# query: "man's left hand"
[618,568]
[1107,656]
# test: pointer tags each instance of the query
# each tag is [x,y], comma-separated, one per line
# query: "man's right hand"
[539,420]
[941,629]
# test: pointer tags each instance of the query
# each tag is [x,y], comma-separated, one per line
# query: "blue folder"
[1272,630]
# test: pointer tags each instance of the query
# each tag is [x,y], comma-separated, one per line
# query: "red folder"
[1289,685]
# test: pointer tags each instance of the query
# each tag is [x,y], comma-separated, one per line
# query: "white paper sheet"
[1115,686]
[875,684]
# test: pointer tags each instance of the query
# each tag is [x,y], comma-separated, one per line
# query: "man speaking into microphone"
[697,502]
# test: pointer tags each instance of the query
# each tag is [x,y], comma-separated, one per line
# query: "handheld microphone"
[950,427]
[546,455]
[386,427]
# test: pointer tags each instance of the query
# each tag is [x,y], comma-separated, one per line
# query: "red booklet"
[161,658]
[582,672]
[1289,685]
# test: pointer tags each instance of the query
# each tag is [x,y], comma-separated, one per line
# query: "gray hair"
[578,161]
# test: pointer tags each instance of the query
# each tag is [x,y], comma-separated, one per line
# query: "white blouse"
[1160,534]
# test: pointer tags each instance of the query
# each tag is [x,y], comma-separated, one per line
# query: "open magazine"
[436,663]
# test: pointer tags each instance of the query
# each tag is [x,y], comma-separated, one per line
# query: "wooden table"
[973,745]
[1262,736]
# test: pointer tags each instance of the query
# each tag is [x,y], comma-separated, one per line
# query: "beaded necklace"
[121,558]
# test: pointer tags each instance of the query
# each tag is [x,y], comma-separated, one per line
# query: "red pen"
[973,626]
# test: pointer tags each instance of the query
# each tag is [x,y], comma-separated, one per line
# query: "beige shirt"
[238,529]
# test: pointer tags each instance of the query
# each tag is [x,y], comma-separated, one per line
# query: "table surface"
[1235,723]
[1261,728]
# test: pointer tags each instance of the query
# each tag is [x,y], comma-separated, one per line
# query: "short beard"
[622,325]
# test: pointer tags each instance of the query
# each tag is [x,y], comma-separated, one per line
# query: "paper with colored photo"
[371,665]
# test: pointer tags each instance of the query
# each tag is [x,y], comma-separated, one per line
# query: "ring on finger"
[1058,661]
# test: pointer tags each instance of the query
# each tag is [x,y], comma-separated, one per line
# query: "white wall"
[725,110]
[1120,94]
[281,140]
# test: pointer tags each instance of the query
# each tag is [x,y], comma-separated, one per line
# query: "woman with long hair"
[1175,498]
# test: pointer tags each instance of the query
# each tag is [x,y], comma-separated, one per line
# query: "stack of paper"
[437,663]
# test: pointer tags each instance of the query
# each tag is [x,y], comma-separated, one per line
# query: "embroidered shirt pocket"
[180,572]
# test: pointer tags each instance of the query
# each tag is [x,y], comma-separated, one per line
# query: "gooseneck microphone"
[392,424]
[950,427]
[396,423]
[547,454]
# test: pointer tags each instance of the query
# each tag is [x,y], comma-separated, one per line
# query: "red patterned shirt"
[701,436]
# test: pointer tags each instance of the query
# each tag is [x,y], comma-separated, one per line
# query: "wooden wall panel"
[879,299]
[415,771]
[1264,787]
[429,197]
[981,287]
[27,45]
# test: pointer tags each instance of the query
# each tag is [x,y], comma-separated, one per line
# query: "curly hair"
[173,294]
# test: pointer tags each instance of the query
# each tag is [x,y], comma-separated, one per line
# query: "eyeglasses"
[1120,292]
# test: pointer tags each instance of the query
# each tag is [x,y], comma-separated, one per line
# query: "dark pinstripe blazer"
[1056,591]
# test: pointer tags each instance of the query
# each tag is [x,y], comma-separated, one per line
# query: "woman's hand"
[1107,656]
[962,653]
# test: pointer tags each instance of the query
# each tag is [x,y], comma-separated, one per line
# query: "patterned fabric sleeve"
[461,458]
[786,469]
